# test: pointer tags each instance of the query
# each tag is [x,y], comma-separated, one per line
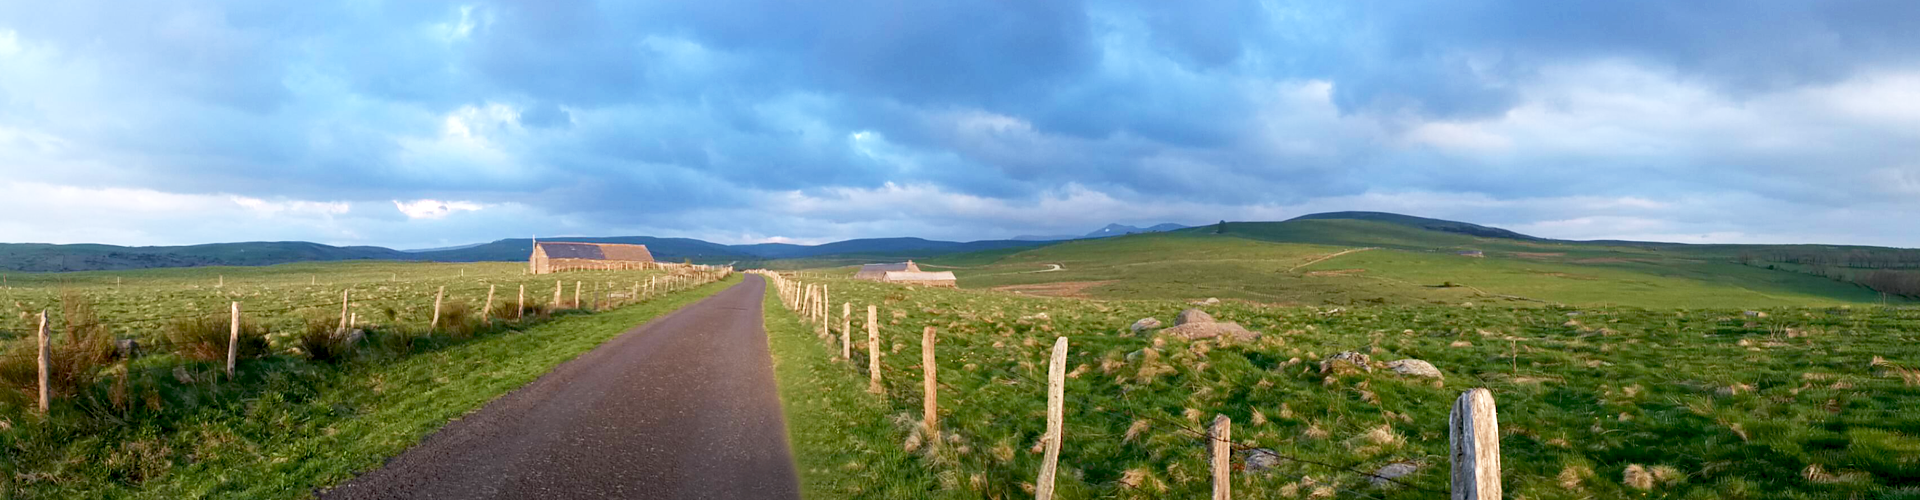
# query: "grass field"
[1339,262]
[1696,403]
[170,425]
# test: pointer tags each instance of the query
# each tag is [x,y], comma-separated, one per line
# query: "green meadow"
[1595,401]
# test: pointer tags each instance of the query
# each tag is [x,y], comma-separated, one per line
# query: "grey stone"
[1260,459]
[1415,368]
[1192,316]
[1394,470]
[1144,324]
[1197,331]
[1349,358]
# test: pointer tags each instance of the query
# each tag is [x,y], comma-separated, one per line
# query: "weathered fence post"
[1473,428]
[46,362]
[1056,419]
[576,295]
[873,350]
[930,372]
[486,311]
[343,310]
[435,322]
[520,306]
[233,340]
[1221,441]
[825,318]
[557,287]
[846,331]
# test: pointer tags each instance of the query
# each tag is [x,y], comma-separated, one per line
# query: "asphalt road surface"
[682,407]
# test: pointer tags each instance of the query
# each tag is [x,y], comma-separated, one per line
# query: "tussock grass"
[1698,403]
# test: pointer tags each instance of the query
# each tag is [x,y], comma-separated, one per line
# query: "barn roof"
[595,251]
[881,268]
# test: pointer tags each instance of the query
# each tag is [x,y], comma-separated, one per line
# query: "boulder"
[1415,368]
[1145,324]
[1192,316]
[1211,301]
[1260,459]
[126,348]
[355,336]
[1197,331]
[1384,476]
[1348,360]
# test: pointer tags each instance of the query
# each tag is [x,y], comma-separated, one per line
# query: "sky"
[424,124]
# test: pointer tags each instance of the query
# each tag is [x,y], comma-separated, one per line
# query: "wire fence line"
[804,302]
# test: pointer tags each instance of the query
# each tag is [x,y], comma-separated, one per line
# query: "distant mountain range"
[40,257]
[1110,230]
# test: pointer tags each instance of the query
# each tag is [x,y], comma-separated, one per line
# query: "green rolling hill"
[1356,258]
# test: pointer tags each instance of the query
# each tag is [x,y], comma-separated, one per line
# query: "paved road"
[682,407]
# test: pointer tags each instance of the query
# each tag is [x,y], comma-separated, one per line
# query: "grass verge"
[312,425]
[841,437]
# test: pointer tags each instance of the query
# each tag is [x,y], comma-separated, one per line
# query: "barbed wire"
[1164,423]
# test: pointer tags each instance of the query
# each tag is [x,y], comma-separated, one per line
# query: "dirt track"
[682,407]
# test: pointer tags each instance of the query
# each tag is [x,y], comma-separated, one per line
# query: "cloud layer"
[423,123]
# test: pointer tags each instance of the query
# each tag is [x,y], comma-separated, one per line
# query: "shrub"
[79,350]
[458,319]
[322,341]
[204,338]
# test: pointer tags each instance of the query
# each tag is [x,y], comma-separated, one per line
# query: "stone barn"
[878,272]
[923,278]
[905,273]
[556,256]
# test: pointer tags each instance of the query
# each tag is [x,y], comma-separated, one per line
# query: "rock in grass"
[1348,361]
[1260,459]
[1211,301]
[1144,324]
[126,348]
[1192,316]
[1197,331]
[1415,368]
[1384,476]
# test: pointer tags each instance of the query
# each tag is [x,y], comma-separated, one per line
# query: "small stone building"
[923,278]
[878,272]
[555,256]
[906,273]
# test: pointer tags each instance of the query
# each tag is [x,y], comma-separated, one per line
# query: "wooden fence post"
[1473,428]
[825,318]
[873,350]
[486,312]
[233,340]
[846,331]
[1220,438]
[343,310]
[556,294]
[576,295]
[930,374]
[1056,419]
[435,323]
[46,363]
[520,306]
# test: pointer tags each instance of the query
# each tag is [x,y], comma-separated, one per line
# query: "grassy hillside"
[307,407]
[1354,262]
[37,257]
[1801,403]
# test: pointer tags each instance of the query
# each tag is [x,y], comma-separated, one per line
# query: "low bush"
[204,338]
[321,340]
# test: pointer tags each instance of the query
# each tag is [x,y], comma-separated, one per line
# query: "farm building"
[905,272]
[554,256]
[878,272]
[923,278]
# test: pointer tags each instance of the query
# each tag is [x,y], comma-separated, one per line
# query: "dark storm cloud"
[599,112]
